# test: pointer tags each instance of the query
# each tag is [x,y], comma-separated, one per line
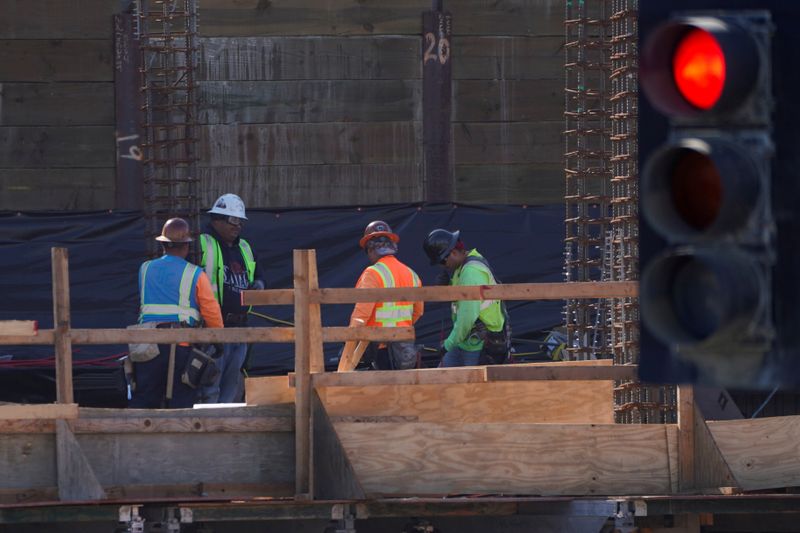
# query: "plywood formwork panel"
[57,104]
[309,101]
[253,58]
[57,146]
[418,458]
[506,57]
[521,402]
[502,143]
[57,19]
[761,453]
[353,17]
[56,60]
[57,189]
[534,183]
[507,101]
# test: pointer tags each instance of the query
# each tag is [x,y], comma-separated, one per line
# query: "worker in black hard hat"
[478,326]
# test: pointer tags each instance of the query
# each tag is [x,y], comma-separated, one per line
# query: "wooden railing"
[308,334]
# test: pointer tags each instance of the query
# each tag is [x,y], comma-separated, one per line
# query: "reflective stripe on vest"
[185,310]
[214,267]
[490,310]
[392,314]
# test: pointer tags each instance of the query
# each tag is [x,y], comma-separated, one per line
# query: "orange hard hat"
[175,230]
[378,228]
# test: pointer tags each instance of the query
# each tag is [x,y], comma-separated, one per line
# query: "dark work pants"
[151,381]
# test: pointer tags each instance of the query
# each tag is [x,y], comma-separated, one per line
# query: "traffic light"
[709,240]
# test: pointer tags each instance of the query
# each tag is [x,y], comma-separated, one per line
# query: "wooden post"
[686,414]
[302,374]
[316,354]
[63,345]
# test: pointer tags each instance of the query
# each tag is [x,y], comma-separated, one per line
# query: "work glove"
[257,285]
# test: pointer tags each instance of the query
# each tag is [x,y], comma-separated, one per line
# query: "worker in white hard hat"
[232,266]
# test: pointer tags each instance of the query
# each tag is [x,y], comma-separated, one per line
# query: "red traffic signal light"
[701,64]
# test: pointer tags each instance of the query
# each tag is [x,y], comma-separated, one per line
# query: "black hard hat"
[439,243]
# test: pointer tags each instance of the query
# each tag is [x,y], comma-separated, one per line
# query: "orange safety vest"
[393,273]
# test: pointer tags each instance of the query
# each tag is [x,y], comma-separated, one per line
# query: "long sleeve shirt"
[209,308]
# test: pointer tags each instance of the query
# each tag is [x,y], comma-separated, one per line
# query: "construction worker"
[173,293]
[477,325]
[385,270]
[232,266]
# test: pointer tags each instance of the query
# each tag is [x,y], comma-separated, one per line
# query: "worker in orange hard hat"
[173,293]
[385,270]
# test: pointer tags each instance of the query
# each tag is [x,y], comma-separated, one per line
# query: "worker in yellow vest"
[385,270]
[232,266]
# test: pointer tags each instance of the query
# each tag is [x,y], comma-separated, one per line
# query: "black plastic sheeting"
[523,244]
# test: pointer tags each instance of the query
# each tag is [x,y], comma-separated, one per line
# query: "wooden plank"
[342,17]
[334,477]
[256,102]
[45,411]
[315,332]
[302,369]
[547,459]
[265,58]
[56,104]
[56,60]
[711,470]
[56,19]
[600,369]
[394,377]
[590,402]
[57,146]
[509,57]
[59,258]
[761,453]
[144,424]
[305,144]
[268,390]
[57,189]
[511,143]
[532,184]
[507,100]
[76,479]
[25,328]
[315,185]
[686,437]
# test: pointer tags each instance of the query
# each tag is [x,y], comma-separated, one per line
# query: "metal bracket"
[129,515]
[624,517]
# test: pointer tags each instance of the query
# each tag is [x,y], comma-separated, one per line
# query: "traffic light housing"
[709,240]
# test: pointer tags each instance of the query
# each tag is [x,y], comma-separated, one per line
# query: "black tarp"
[523,244]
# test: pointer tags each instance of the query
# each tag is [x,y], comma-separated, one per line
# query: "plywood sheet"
[504,143]
[56,60]
[508,57]
[530,183]
[57,19]
[507,100]
[548,459]
[57,146]
[761,453]
[57,104]
[268,390]
[508,401]
[58,189]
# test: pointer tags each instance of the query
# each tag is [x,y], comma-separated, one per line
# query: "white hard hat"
[229,204]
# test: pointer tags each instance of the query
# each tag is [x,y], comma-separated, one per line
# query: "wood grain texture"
[57,189]
[18,327]
[305,144]
[372,17]
[507,100]
[76,479]
[314,185]
[56,60]
[57,19]
[334,477]
[546,459]
[309,58]
[45,411]
[256,102]
[268,390]
[57,146]
[508,142]
[590,402]
[440,376]
[532,184]
[57,104]
[711,470]
[508,57]
[761,453]
[62,344]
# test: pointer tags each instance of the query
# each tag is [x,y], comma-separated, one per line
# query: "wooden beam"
[334,477]
[504,401]
[442,376]
[316,355]
[686,437]
[45,411]
[23,328]
[514,291]
[567,370]
[419,458]
[302,370]
[268,390]
[76,479]
[61,319]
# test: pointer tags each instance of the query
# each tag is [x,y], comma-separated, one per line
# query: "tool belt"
[235,320]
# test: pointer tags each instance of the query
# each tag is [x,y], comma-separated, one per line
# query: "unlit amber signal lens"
[698,67]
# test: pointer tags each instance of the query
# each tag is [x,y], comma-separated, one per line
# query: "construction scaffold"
[167,30]
[602,195]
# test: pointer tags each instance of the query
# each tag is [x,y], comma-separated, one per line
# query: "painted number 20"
[442,51]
